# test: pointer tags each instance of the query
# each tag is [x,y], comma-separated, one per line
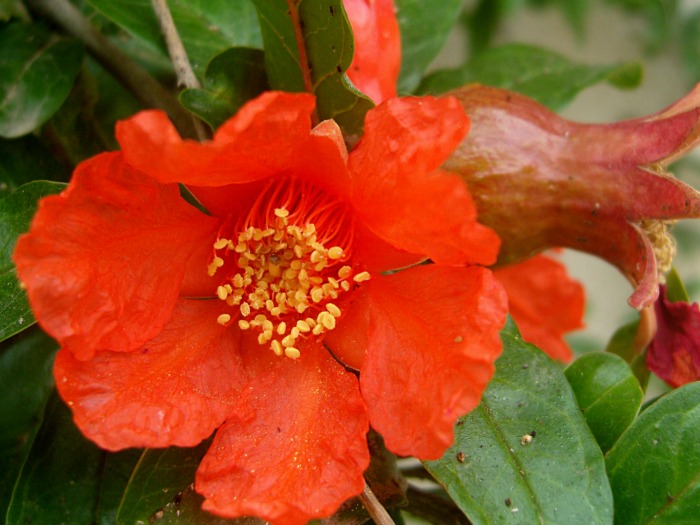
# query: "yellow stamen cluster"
[282,282]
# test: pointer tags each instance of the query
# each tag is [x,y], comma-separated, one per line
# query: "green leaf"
[232,78]
[325,28]
[675,289]
[526,455]
[654,468]
[16,212]
[37,72]
[424,29]
[622,343]
[206,27]
[607,392]
[60,479]
[544,75]
[159,478]
[24,160]
[115,475]
[26,381]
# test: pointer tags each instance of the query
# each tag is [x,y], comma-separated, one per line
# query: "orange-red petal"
[296,450]
[402,196]
[377,59]
[261,140]
[545,303]
[433,338]
[104,260]
[175,390]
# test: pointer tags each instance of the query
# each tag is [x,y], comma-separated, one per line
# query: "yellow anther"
[276,311]
[315,257]
[274,269]
[281,328]
[276,347]
[267,334]
[316,294]
[281,212]
[336,252]
[333,310]
[267,325]
[245,309]
[344,272]
[361,277]
[243,324]
[294,332]
[327,320]
[334,282]
[261,338]
[301,307]
[222,293]
[345,286]
[290,273]
[220,243]
[298,251]
[303,326]
[318,329]
[292,352]
[288,341]
[310,321]
[218,262]
[223,319]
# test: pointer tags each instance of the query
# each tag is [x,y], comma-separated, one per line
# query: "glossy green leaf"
[206,27]
[24,160]
[544,75]
[116,474]
[37,72]
[526,455]
[607,392]
[622,343]
[675,289]
[325,28]
[158,479]
[16,212]
[424,29]
[26,381]
[60,479]
[232,78]
[654,468]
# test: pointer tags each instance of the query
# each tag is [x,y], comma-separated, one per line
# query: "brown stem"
[301,46]
[376,511]
[136,79]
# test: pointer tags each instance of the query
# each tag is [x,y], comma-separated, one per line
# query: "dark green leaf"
[232,78]
[24,160]
[543,75]
[526,455]
[159,478]
[329,49]
[424,29]
[654,468]
[115,475]
[26,381]
[207,27]
[607,392]
[16,212]
[36,75]
[60,479]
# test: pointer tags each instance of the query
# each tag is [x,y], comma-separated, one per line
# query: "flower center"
[285,265]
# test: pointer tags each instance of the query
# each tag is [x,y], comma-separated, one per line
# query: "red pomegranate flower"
[173,322]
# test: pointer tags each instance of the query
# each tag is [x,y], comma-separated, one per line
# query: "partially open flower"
[541,181]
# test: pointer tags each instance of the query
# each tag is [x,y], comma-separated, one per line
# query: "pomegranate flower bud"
[542,181]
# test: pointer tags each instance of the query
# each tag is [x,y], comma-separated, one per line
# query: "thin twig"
[136,79]
[183,69]
[376,511]
[178,55]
